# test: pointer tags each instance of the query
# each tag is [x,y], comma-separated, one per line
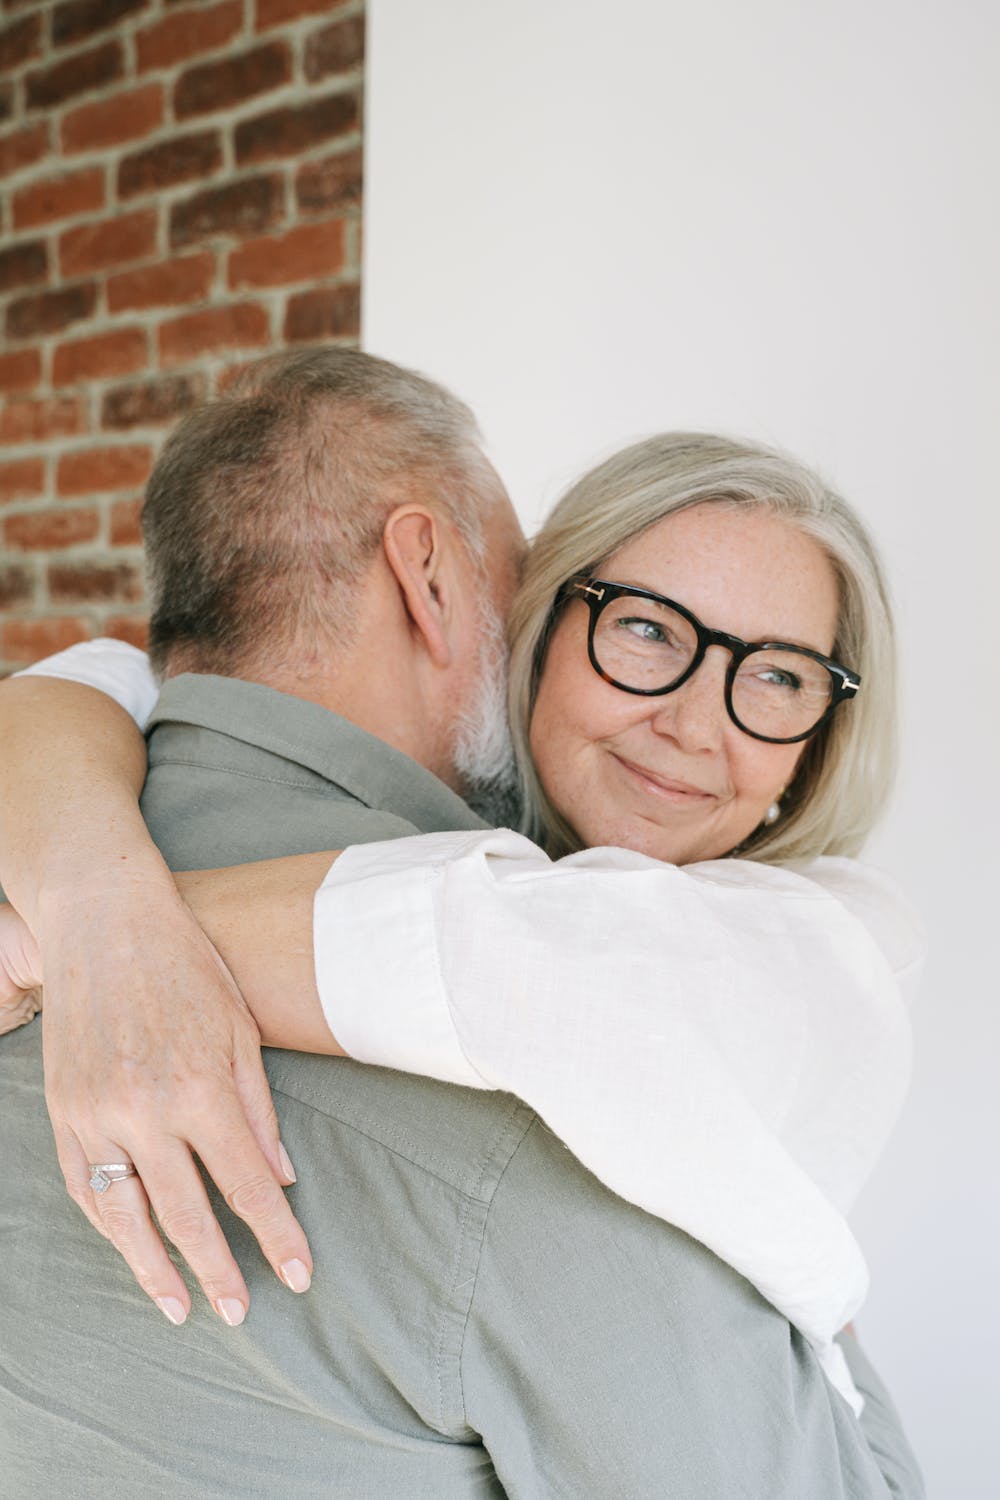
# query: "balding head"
[267,505]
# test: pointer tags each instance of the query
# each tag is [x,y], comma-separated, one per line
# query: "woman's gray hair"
[844,778]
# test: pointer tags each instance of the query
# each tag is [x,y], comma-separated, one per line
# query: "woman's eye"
[776,677]
[646,630]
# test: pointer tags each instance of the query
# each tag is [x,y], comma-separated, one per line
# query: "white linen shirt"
[724,1044]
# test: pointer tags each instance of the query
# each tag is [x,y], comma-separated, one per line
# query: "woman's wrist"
[126,871]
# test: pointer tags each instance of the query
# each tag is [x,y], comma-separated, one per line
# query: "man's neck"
[364,692]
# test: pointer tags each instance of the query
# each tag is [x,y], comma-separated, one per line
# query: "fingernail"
[172,1310]
[231,1311]
[286,1163]
[295,1274]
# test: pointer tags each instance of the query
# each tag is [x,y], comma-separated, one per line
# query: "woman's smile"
[657,784]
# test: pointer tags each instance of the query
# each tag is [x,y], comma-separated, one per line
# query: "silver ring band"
[104,1173]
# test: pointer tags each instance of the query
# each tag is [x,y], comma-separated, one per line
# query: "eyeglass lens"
[642,644]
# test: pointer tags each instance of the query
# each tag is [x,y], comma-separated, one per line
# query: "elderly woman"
[701,673]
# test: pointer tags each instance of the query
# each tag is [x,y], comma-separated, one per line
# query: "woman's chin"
[677,844]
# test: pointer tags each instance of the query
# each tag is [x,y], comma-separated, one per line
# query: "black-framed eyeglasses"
[645,643]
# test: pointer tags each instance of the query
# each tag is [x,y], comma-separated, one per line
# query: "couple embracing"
[576,1112]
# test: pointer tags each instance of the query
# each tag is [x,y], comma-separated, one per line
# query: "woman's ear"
[417,549]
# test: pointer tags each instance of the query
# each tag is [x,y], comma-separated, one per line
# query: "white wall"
[779,219]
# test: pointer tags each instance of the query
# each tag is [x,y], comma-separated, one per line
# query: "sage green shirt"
[485,1319]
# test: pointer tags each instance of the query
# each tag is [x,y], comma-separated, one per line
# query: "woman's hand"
[150,1053]
[20,972]
[152,1057]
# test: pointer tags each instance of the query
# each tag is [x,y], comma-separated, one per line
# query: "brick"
[42,530]
[47,87]
[25,641]
[76,20]
[17,586]
[131,628]
[178,160]
[170,283]
[112,242]
[19,41]
[59,198]
[243,325]
[226,377]
[335,49]
[237,208]
[277,12]
[6,100]
[120,352]
[108,122]
[21,371]
[231,80]
[95,583]
[178,38]
[24,420]
[50,312]
[331,312]
[92,470]
[306,253]
[22,479]
[23,265]
[289,131]
[126,523]
[22,148]
[334,182]
[151,402]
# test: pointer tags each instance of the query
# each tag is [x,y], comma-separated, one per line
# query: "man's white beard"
[484,752]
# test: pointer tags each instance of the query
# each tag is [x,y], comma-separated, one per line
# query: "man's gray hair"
[266,504]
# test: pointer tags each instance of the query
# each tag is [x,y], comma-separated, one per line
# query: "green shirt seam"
[302,786]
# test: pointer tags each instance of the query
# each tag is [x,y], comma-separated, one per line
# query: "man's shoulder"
[462,1137]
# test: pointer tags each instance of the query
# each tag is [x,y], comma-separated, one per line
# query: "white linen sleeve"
[113,667]
[724,1044]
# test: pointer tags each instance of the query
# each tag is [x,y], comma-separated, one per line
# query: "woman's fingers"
[254,1094]
[19,1007]
[150,1050]
[123,1211]
[20,972]
[245,1179]
[76,1173]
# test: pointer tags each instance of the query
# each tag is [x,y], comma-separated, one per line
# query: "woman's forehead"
[743,570]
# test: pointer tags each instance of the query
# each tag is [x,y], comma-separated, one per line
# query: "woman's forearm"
[259,918]
[72,765]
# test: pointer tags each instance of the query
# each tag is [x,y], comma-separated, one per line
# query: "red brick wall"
[181,191]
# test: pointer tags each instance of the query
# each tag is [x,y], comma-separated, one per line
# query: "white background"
[776,219]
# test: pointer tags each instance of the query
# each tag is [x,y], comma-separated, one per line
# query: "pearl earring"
[773,813]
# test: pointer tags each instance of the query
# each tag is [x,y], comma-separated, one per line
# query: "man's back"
[485,1318]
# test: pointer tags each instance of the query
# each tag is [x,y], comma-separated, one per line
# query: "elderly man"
[329,546]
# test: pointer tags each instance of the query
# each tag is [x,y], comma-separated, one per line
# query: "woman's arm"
[580,987]
[709,1061]
[131,1072]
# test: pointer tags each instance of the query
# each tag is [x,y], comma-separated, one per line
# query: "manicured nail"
[286,1163]
[172,1310]
[295,1274]
[231,1311]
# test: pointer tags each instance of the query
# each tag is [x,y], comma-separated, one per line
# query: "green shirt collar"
[307,735]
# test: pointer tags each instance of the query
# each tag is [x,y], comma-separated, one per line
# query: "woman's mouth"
[681,793]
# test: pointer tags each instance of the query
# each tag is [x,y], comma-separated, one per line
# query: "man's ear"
[418,549]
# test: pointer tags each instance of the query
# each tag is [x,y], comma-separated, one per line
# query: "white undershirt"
[724,1044]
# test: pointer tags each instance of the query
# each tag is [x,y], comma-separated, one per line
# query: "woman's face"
[672,776]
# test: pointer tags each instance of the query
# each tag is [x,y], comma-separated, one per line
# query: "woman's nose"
[694,715]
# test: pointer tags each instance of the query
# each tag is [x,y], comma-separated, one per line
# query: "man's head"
[332,526]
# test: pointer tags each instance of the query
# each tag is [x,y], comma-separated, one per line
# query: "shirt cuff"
[377,900]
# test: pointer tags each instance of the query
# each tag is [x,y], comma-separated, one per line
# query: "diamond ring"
[104,1173]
